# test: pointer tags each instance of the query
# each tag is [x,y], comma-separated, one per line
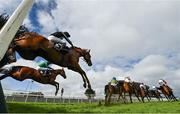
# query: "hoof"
[56,93]
[90,91]
[84,85]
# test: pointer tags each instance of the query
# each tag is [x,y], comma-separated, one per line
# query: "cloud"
[120,28]
[8,6]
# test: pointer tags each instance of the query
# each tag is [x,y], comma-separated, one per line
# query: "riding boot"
[46,73]
[61,48]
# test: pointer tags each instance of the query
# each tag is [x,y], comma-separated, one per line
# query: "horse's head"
[85,53]
[62,73]
[87,57]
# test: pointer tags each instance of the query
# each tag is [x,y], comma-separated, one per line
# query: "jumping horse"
[30,45]
[21,73]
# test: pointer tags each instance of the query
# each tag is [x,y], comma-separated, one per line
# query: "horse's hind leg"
[142,97]
[173,97]
[106,98]
[147,98]
[167,97]
[136,94]
[130,97]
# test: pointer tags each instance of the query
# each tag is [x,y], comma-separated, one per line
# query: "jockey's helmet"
[114,78]
[67,34]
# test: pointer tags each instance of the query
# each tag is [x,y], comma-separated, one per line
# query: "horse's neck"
[166,89]
[78,50]
[58,71]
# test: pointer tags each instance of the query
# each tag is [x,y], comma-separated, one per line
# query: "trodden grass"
[148,107]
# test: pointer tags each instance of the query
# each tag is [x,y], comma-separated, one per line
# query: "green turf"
[148,107]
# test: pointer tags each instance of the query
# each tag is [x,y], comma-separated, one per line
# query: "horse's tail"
[4,71]
[9,69]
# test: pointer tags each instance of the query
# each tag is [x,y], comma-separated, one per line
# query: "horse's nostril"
[65,77]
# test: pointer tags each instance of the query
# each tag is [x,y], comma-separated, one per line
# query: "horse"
[156,94]
[143,92]
[110,89]
[167,92]
[131,88]
[29,45]
[21,73]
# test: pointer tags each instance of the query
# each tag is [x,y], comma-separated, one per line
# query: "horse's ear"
[88,50]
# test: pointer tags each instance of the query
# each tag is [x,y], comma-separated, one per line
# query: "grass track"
[148,107]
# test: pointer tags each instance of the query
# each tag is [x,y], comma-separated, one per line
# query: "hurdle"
[7,33]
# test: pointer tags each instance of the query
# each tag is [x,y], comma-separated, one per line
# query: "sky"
[136,38]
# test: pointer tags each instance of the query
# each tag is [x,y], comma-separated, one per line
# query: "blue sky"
[40,6]
[132,38]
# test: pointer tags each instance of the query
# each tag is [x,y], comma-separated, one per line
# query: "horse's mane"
[78,49]
[4,18]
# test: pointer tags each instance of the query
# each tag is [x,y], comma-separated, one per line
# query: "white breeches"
[55,39]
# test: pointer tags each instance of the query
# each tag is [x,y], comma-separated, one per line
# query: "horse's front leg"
[56,84]
[106,96]
[81,72]
[87,80]
[109,97]
[130,97]
[89,85]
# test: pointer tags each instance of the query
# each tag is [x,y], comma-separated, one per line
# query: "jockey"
[43,67]
[114,81]
[142,85]
[162,82]
[128,79]
[57,39]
